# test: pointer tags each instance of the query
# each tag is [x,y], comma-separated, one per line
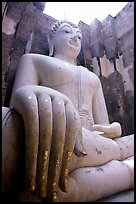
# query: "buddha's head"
[65,38]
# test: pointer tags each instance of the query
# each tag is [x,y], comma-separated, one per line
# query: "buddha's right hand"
[51,128]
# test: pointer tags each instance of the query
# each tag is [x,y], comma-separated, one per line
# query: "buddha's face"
[67,40]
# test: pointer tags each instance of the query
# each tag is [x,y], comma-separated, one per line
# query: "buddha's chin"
[74,49]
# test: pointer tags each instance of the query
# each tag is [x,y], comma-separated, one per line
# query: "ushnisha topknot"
[58,23]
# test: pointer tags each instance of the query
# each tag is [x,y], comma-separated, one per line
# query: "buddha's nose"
[74,38]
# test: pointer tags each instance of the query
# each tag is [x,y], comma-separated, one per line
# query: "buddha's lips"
[73,43]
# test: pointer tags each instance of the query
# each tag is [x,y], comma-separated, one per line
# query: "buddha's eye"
[67,31]
[79,37]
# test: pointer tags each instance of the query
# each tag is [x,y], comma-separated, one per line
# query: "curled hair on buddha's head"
[58,23]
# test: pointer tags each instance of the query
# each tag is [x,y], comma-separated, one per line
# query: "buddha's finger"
[70,138]
[25,102]
[79,149]
[101,128]
[45,132]
[58,140]
[32,140]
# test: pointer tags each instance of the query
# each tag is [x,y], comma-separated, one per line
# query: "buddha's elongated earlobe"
[75,61]
[50,43]
[51,50]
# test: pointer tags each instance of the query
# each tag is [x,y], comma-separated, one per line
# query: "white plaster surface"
[125,196]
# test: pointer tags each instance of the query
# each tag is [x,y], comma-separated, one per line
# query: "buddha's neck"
[65,58]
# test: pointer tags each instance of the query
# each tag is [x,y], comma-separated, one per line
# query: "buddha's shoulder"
[37,56]
[90,74]
[43,60]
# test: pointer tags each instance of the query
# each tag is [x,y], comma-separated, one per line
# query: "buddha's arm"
[99,106]
[26,74]
[101,120]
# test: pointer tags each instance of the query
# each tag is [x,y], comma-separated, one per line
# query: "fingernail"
[43,191]
[82,150]
[31,184]
[54,197]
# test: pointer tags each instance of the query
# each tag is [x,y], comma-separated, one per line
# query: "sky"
[84,11]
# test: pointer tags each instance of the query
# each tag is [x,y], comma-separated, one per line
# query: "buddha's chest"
[70,80]
[59,75]
[73,82]
[63,76]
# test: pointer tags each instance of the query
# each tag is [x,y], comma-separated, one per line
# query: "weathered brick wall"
[22,19]
[107,50]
